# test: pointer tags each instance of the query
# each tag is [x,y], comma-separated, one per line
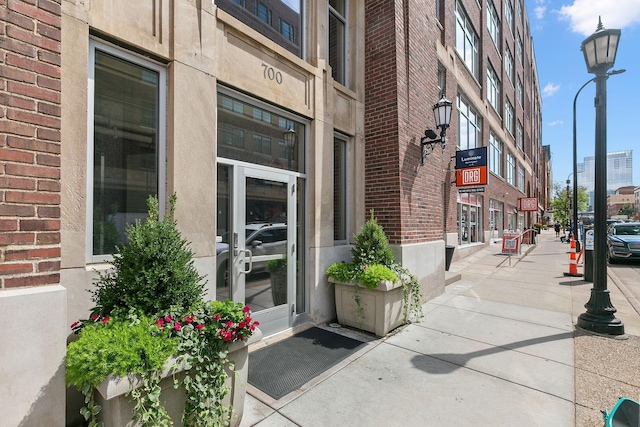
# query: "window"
[466,40]
[338,40]
[519,10]
[508,63]
[508,116]
[519,49]
[495,155]
[126,144]
[441,80]
[263,12]
[261,144]
[511,169]
[493,24]
[521,178]
[508,13]
[469,125]
[493,89]
[519,91]
[340,190]
[520,136]
[287,30]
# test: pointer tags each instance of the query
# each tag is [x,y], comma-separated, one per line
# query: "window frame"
[471,41]
[493,88]
[521,178]
[508,116]
[100,45]
[345,179]
[511,169]
[495,154]
[508,14]
[466,110]
[493,24]
[342,76]
[508,63]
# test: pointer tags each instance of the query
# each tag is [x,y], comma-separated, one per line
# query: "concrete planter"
[117,409]
[382,306]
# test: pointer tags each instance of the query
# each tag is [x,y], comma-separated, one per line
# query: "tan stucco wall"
[205,48]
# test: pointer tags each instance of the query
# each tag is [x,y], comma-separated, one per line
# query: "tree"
[627,210]
[562,202]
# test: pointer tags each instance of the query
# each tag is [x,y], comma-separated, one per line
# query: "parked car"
[260,239]
[623,241]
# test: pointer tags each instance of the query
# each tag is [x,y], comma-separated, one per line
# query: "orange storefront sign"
[471,176]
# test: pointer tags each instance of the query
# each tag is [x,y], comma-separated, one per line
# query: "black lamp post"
[569,201]
[442,115]
[600,53]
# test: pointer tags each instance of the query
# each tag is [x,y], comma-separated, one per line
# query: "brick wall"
[29,142]
[401,86]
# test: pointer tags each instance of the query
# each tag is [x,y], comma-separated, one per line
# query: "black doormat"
[281,368]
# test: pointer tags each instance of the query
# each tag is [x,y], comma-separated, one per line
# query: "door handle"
[247,252]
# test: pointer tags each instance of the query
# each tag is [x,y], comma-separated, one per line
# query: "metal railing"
[518,240]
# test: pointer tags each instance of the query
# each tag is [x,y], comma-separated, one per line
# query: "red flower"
[216,316]
[168,318]
[229,324]
[160,322]
[74,324]
[188,319]
[177,326]
[94,316]
[105,320]
[246,309]
[199,326]
[227,336]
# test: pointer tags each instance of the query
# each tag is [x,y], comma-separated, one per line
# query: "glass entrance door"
[256,241]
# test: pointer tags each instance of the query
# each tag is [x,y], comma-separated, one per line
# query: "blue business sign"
[471,158]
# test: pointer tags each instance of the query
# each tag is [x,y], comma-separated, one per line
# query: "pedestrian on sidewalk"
[557,228]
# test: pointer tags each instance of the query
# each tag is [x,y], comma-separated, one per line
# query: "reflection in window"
[125,146]
[249,133]
[337,40]
[340,190]
[278,20]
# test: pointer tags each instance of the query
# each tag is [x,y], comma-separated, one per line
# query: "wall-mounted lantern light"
[290,136]
[442,116]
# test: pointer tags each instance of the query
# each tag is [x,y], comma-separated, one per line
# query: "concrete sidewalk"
[499,348]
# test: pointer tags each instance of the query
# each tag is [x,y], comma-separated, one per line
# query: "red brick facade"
[29,142]
[404,45]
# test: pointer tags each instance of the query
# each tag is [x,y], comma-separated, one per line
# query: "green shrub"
[117,347]
[372,246]
[372,275]
[152,271]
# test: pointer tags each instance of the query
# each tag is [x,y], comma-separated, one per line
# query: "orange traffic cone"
[573,265]
[573,243]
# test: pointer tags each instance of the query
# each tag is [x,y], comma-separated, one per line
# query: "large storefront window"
[280,21]
[126,144]
[469,218]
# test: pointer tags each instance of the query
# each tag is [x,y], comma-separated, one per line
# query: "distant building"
[619,173]
[615,202]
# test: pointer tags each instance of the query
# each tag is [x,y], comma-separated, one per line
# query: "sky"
[558,28]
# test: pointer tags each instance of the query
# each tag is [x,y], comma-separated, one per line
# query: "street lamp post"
[600,52]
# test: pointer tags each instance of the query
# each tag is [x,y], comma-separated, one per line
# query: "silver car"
[261,239]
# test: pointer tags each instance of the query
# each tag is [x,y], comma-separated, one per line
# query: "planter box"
[382,306]
[117,409]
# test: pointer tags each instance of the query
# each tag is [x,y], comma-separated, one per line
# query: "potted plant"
[153,350]
[373,292]
[277,269]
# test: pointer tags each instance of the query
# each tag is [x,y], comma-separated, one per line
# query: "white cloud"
[556,123]
[550,89]
[583,14]
[540,11]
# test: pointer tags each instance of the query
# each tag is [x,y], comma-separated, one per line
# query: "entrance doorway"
[256,243]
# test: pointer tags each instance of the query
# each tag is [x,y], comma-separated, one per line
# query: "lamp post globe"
[600,50]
